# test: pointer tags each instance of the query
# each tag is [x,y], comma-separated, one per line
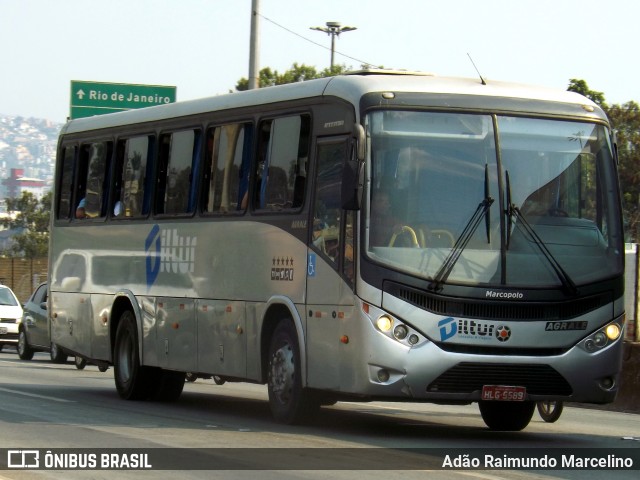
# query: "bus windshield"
[488,200]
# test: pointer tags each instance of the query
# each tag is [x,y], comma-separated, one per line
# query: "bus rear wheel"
[506,416]
[289,402]
[133,381]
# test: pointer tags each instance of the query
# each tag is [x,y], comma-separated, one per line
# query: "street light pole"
[254,46]
[334,29]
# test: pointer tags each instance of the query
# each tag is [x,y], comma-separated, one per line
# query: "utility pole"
[334,29]
[254,48]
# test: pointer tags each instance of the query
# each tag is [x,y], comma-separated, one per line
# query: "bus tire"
[80,362]
[289,402]
[169,385]
[25,352]
[57,354]
[133,381]
[550,411]
[506,416]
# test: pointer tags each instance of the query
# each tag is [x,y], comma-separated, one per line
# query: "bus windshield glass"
[488,200]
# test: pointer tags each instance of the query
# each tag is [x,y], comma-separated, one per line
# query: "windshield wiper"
[512,212]
[461,244]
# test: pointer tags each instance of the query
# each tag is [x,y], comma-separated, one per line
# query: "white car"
[10,317]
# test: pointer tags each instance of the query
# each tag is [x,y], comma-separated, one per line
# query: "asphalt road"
[45,406]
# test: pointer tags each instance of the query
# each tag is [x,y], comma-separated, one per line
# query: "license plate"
[3,330]
[504,393]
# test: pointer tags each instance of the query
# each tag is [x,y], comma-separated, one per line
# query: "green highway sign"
[96,98]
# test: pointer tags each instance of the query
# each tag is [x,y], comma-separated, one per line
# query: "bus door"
[329,293]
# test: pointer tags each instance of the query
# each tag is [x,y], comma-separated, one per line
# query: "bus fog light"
[383,375]
[607,383]
[400,332]
[600,339]
[413,339]
[590,345]
[613,331]
[384,323]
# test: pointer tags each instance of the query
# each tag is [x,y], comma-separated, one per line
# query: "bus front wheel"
[133,381]
[506,416]
[289,401]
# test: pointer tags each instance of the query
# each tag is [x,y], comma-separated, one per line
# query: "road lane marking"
[35,395]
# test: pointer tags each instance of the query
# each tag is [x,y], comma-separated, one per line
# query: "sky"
[202,46]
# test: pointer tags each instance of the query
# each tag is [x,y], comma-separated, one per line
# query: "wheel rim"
[282,373]
[548,407]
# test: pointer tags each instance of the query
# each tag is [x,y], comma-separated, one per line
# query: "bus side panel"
[176,334]
[100,342]
[222,339]
[71,319]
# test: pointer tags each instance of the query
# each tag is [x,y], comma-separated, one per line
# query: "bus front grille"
[470,377]
[503,310]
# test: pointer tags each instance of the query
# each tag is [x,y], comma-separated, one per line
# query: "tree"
[297,73]
[581,87]
[32,220]
[625,120]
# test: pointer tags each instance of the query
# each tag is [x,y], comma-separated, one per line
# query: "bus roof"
[351,87]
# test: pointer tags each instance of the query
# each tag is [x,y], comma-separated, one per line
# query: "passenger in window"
[80,211]
[117,209]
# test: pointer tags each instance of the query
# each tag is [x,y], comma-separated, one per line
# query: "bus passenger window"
[281,169]
[93,176]
[177,157]
[63,201]
[226,178]
[131,176]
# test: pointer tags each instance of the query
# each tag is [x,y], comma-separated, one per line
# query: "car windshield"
[451,201]
[8,298]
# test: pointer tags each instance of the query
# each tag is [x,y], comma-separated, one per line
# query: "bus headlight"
[613,331]
[384,323]
[603,337]
[393,328]
[400,332]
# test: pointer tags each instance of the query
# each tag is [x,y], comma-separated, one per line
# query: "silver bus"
[371,236]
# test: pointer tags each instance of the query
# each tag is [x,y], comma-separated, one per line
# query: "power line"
[362,62]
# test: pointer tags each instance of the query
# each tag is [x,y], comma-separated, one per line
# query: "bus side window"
[93,178]
[65,188]
[177,157]
[131,169]
[226,175]
[281,169]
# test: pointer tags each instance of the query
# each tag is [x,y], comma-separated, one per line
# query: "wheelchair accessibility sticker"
[311,265]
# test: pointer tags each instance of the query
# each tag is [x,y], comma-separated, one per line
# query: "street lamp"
[334,29]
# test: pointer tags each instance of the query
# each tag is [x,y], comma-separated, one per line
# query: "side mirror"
[352,172]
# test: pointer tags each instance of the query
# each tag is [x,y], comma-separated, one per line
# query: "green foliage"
[626,122]
[297,73]
[32,218]
[581,87]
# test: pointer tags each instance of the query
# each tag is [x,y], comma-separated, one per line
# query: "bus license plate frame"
[504,393]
